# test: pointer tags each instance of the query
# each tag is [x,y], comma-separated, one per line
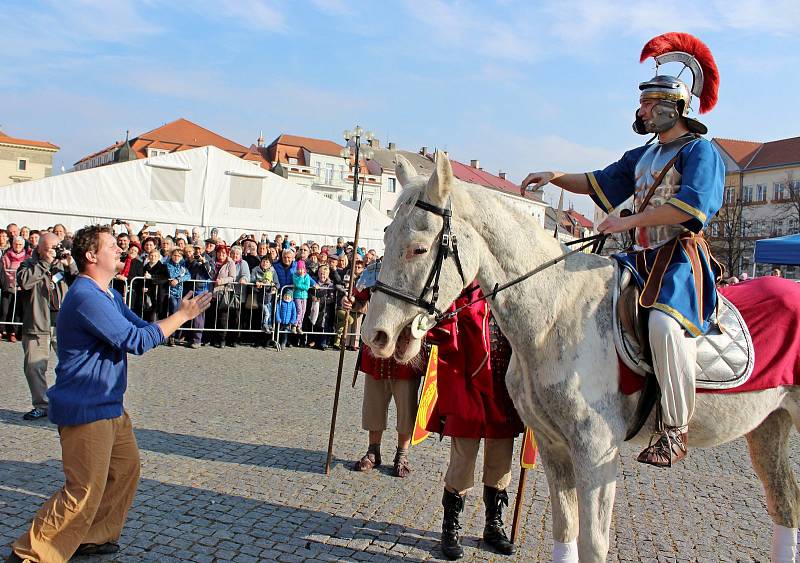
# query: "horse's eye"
[420,250]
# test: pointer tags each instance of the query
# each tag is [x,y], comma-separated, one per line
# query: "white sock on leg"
[784,544]
[565,552]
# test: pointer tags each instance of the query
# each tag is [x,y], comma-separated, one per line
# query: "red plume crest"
[687,43]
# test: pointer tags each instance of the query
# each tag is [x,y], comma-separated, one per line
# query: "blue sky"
[521,86]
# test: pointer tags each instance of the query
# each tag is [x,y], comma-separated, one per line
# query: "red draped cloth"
[473,399]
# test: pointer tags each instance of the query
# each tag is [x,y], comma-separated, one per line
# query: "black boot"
[453,504]
[493,533]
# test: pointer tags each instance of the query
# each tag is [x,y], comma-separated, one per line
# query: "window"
[747,194]
[156,152]
[22,164]
[729,195]
[292,160]
[168,185]
[778,227]
[714,229]
[747,228]
[779,190]
[761,192]
[329,196]
[793,227]
[392,185]
[245,192]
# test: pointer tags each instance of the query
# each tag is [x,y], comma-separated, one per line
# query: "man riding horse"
[677,187]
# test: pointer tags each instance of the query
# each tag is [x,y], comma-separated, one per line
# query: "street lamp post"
[357,136]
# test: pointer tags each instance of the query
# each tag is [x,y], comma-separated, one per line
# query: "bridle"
[448,245]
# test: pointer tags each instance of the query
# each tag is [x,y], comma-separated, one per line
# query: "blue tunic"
[677,277]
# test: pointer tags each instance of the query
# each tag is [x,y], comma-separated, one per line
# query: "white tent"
[205,187]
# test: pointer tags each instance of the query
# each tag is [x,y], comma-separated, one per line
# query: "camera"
[61,252]
[117,222]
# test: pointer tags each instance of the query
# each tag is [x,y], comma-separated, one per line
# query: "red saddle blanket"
[770,307]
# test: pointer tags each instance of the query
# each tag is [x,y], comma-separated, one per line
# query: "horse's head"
[417,245]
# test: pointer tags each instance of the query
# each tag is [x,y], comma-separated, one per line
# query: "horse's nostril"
[381,339]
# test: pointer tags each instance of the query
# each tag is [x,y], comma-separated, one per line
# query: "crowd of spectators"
[259,283]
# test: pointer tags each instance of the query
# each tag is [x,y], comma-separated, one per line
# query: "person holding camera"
[44,276]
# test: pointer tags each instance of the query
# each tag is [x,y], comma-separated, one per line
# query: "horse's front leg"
[557,464]
[595,456]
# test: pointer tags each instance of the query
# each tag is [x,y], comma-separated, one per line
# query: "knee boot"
[493,533]
[453,504]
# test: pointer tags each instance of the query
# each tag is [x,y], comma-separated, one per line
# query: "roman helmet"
[673,96]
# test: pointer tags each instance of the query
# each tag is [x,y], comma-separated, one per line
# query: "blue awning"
[780,250]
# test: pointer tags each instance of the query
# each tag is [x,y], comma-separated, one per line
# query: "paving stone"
[233,449]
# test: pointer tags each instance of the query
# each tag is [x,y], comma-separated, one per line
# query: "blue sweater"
[95,332]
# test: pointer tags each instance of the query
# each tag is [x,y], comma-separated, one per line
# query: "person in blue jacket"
[96,331]
[286,316]
[676,185]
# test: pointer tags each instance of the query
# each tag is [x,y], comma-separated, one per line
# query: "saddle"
[725,355]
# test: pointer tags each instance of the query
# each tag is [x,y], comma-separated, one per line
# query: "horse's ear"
[441,181]
[404,170]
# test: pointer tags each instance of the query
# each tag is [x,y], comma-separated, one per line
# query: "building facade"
[24,159]
[317,164]
[762,200]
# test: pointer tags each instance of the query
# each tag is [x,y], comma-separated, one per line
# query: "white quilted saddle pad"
[725,355]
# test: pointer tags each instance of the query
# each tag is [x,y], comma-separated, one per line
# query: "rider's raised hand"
[536,180]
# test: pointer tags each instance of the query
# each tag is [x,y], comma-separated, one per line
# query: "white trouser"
[674,357]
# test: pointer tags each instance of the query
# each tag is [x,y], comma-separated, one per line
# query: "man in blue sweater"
[96,331]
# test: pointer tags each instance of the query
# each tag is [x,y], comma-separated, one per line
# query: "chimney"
[502,175]
[475,164]
[423,151]
[375,143]
[392,147]
[260,141]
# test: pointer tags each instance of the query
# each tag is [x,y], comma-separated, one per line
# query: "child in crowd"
[286,316]
[302,282]
[177,273]
[263,276]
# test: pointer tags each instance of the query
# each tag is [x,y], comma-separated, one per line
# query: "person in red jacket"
[386,379]
[474,404]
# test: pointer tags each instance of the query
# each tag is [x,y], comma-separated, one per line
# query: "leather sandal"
[402,467]
[367,463]
[670,447]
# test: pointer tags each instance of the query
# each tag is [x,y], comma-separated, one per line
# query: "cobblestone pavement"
[233,448]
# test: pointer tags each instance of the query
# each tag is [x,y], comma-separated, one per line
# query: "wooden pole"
[342,345]
[518,502]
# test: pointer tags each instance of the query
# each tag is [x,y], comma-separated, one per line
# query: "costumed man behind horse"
[473,403]
[682,177]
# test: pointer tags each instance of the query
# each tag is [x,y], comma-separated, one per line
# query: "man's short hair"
[154,240]
[86,240]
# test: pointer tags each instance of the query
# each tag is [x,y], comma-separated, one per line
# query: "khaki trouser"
[497,454]
[674,361]
[101,467]
[36,350]
[375,407]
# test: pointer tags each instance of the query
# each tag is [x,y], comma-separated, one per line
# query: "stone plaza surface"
[233,448]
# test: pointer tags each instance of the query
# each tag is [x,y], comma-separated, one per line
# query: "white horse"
[563,377]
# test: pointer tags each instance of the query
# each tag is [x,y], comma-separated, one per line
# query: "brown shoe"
[669,448]
[367,463]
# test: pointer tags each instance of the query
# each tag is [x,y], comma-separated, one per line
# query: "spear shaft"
[342,346]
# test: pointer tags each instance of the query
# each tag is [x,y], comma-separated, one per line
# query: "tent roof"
[779,250]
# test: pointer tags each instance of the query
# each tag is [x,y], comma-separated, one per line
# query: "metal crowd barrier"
[13,311]
[234,308]
[355,328]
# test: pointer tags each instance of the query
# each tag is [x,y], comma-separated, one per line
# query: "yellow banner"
[427,399]
[530,450]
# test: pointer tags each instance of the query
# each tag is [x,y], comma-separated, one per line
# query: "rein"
[594,240]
